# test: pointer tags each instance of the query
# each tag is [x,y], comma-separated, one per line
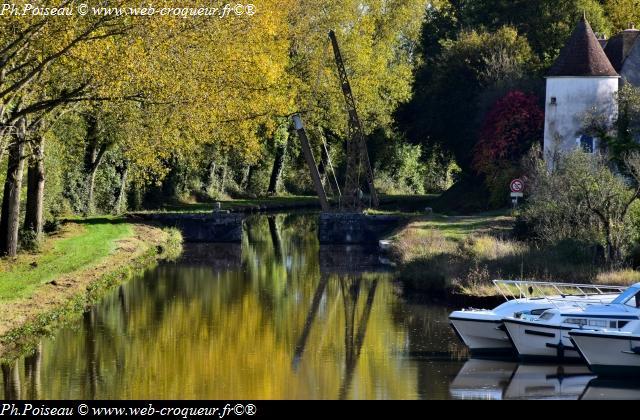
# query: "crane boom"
[357,155]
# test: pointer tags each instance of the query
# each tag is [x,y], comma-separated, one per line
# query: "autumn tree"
[622,13]
[512,126]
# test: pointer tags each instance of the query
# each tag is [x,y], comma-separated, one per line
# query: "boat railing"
[556,292]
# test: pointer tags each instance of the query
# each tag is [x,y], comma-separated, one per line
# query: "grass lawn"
[77,246]
[458,227]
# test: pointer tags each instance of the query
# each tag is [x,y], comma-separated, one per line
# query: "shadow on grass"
[99,221]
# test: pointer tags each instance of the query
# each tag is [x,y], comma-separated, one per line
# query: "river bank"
[76,266]
[445,256]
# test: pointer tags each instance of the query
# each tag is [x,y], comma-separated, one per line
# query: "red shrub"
[512,125]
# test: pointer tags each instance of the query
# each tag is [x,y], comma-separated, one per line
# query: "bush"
[583,199]
[29,240]
[52,226]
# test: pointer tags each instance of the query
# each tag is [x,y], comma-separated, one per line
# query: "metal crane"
[357,155]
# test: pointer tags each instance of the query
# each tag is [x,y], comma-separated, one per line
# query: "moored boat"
[610,352]
[547,336]
[483,331]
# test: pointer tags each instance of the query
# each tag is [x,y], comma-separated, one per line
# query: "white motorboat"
[483,331]
[547,336]
[609,353]
[613,352]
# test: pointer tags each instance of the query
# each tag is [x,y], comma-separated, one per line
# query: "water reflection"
[495,379]
[603,389]
[274,317]
[483,379]
[566,382]
[277,316]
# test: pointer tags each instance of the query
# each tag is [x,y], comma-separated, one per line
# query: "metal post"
[311,162]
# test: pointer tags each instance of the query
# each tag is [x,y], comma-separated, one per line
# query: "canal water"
[277,316]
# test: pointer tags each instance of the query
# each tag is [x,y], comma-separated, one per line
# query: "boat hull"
[609,353]
[483,337]
[536,342]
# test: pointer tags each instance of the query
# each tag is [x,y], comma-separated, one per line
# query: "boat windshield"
[627,297]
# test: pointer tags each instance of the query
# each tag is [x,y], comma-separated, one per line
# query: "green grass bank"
[73,270]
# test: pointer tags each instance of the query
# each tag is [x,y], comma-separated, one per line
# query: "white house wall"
[575,97]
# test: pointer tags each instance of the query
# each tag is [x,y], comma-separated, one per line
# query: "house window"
[587,143]
[554,100]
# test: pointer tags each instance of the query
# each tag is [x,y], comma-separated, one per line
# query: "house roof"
[619,47]
[582,55]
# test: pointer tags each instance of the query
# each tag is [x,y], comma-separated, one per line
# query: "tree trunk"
[223,180]
[250,175]
[122,191]
[211,179]
[93,153]
[610,252]
[10,217]
[35,188]
[276,171]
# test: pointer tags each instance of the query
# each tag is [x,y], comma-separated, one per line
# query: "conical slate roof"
[619,47]
[582,55]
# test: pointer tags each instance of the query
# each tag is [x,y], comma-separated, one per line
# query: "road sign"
[516,195]
[517,186]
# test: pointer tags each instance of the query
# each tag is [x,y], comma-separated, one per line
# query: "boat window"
[538,311]
[621,324]
[599,323]
[546,316]
[629,297]
[576,321]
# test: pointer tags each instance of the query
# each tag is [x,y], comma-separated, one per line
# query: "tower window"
[587,143]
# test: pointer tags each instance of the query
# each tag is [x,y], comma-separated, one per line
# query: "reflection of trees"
[92,359]
[11,380]
[32,365]
[432,346]
[275,237]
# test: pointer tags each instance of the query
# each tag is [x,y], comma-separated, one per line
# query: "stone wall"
[206,227]
[356,228]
